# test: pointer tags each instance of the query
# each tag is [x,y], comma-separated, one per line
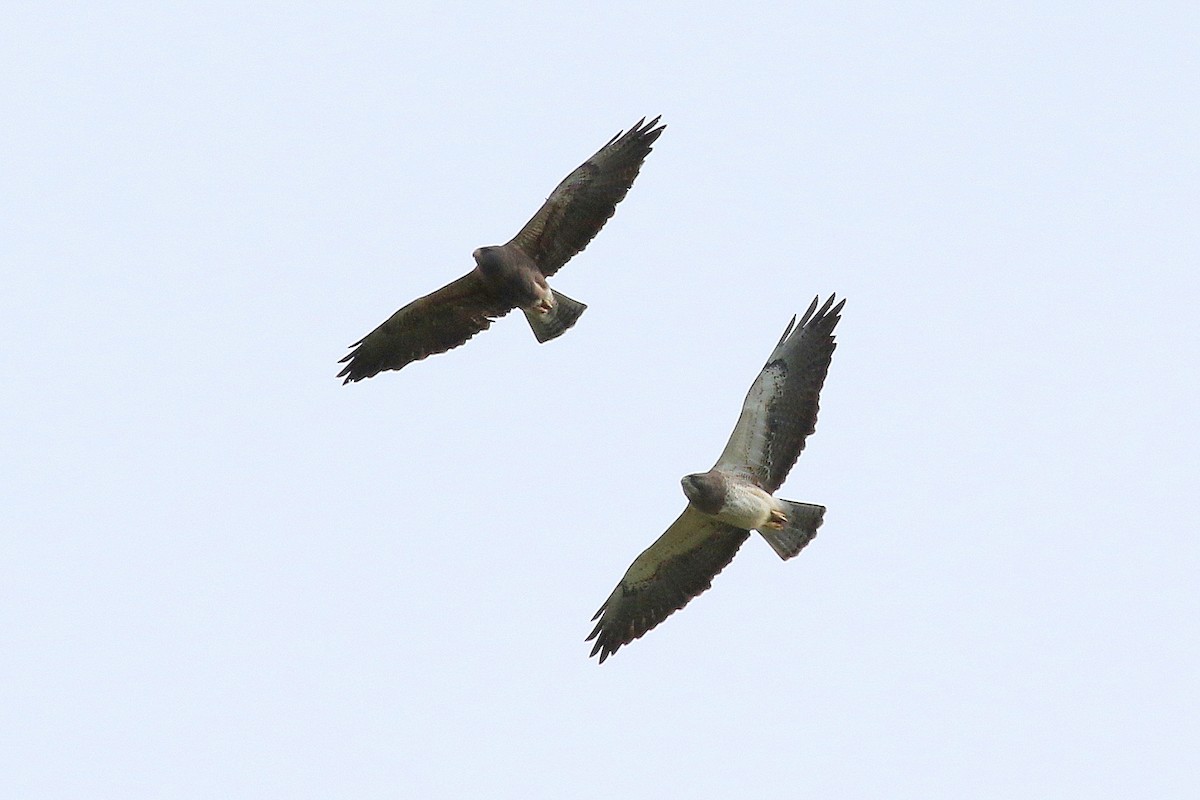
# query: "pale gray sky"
[224,574]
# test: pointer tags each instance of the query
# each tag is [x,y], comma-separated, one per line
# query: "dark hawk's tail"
[555,323]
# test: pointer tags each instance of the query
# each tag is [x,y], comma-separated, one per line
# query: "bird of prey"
[737,494]
[513,275]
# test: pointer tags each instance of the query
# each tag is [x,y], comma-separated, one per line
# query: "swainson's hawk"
[513,275]
[737,494]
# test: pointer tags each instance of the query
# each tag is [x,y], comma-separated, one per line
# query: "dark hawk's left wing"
[579,206]
[678,566]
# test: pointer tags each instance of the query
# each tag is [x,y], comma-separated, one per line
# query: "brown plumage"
[513,275]
[737,494]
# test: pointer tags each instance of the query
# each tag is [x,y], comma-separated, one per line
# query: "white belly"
[746,506]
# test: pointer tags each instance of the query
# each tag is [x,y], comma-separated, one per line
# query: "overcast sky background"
[224,574]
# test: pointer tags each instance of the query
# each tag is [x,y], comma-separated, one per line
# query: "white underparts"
[747,506]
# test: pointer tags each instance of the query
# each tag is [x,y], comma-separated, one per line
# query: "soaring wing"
[780,409]
[431,324]
[579,206]
[678,566]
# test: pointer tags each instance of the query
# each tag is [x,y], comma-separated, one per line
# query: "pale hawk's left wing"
[780,410]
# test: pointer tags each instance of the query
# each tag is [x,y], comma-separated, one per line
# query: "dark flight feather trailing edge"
[513,275]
